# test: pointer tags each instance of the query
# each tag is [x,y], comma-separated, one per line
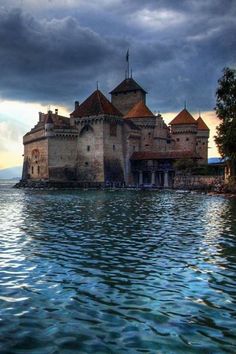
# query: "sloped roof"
[59,122]
[201,125]
[131,125]
[127,85]
[149,155]
[139,110]
[96,104]
[184,117]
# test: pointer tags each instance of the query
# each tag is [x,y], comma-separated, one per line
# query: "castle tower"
[184,131]
[143,118]
[49,125]
[202,140]
[100,151]
[127,94]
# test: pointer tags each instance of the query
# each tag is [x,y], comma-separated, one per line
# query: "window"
[114,147]
[32,170]
[168,141]
[113,129]
[133,148]
[203,143]
[177,139]
[86,163]
[38,170]
[88,147]
[187,139]
[149,135]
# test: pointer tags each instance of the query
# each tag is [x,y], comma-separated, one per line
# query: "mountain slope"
[12,172]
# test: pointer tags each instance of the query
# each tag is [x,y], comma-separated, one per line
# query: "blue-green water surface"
[116,272]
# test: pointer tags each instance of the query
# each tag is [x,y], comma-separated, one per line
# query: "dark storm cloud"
[177,49]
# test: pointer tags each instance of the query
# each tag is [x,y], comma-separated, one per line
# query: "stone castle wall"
[198,182]
[62,157]
[36,159]
[185,137]
[113,151]
[90,158]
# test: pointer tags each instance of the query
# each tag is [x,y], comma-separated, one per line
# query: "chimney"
[76,104]
[56,111]
[40,116]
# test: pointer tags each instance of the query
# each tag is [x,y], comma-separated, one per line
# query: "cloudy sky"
[52,52]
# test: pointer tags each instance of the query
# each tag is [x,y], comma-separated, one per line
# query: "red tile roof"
[201,125]
[127,85]
[96,104]
[139,110]
[149,155]
[184,117]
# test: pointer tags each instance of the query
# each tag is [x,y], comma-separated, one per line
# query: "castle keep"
[112,143]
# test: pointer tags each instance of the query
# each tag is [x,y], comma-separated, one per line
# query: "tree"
[184,165]
[226,111]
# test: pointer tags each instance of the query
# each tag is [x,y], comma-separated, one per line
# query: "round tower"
[184,131]
[203,133]
[49,125]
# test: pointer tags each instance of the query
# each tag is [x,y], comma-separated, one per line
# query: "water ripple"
[116,272]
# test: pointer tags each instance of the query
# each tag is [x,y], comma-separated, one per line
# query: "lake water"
[116,272]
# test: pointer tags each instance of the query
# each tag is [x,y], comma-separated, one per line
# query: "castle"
[107,143]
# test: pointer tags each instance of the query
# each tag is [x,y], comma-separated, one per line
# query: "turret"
[184,131]
[202,140]
[49,125]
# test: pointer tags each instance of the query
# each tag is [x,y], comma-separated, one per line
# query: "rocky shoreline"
[48,185]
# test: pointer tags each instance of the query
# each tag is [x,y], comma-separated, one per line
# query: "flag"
[127,55]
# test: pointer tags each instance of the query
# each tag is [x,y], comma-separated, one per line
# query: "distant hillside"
[12,172]
[214,160]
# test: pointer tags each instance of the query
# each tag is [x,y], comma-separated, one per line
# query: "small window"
[187,139]
[149,135]
[168,141]
[86,163]
[114,147]
[177,139]
[32,170]
[38,170]
[88,147]
[203,143]
[133,148]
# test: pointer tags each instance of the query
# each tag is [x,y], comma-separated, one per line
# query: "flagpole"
[128,65]
[127,59]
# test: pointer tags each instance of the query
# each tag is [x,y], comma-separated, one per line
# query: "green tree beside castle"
[226,111]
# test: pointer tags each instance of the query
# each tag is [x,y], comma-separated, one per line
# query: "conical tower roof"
[139,110]
[96,104]
[127,85]
[201,125]
[184,117]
